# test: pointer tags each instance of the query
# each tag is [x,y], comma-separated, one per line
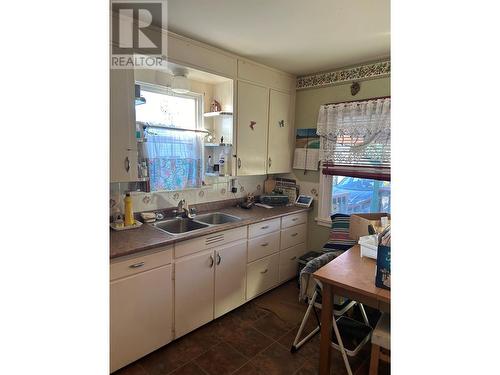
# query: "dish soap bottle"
[129,212]
[222,163]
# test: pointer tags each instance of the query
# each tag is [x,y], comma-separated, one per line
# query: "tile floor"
[253,339]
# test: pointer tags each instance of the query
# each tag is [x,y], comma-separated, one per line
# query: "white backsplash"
[158,200]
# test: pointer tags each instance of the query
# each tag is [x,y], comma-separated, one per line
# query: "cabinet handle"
[137,265]
[211,261]
[295,219]
[270,162]
[294,234]
[218,258]
[293,258]
[127,164]
[265,244]
[264,271]
[239,163]
[265,227]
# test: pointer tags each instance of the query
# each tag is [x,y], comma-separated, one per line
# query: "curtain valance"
[355,138]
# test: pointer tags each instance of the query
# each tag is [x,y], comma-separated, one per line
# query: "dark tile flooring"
[253,339]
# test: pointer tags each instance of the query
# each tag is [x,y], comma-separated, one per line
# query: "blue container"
[383,277]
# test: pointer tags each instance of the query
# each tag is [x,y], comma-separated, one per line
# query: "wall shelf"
[217,144]
[214,114]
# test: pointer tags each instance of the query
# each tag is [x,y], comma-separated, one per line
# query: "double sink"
[181,225]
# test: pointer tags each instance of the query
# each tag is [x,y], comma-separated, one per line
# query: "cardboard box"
[358,223]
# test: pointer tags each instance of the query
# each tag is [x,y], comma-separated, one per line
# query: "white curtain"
[356,133]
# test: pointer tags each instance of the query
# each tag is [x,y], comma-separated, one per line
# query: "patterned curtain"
[173,157]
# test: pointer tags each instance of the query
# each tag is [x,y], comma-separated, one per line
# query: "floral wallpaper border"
[361,72]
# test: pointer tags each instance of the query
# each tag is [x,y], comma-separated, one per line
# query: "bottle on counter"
[222,163]
[144,169]
[129,212]
[210,167]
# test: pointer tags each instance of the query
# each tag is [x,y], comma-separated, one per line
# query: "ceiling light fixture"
[180,85]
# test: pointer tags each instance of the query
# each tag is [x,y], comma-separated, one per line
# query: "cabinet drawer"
[293,236]
[209,241]
[262,275]
[295,219]
[140,263]
[262,246]
[264,227]
[289,260]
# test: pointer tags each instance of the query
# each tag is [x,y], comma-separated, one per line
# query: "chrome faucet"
[184,210]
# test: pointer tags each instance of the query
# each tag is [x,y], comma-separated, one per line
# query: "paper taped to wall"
[306,154]
[306,158]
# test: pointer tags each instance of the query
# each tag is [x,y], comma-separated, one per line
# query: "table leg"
[326,330]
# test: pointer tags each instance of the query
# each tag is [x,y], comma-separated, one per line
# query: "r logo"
[132,30]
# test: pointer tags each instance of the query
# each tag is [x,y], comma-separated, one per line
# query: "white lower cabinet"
[209,277]
[209,284]
[194,291]
[230,277]
[289,260]
[262,275]
[140,315]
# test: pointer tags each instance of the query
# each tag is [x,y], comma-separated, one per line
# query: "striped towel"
[312,266]
[339,234]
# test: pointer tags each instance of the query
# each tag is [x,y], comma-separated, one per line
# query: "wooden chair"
[381,343]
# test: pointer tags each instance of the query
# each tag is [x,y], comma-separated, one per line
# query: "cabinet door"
[289,261]
[251,135]
[194,291]
[230,277]
[280,133]
[262,275]
[123,149]
[140,315]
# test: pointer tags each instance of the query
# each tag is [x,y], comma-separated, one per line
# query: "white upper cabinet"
[265,76]
[252,126]
[279,147]
[123,148]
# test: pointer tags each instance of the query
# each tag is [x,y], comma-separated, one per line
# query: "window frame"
[325,200]
[159,89]
[199,105]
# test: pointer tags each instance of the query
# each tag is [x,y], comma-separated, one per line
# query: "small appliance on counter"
[304,201]
[274,199]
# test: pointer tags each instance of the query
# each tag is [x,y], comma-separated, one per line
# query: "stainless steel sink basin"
[217,218]
[179,225]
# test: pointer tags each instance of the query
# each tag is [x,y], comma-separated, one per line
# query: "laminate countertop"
[147,237]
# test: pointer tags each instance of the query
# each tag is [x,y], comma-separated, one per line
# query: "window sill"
[323,222]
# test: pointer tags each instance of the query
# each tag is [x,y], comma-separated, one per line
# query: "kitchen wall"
[220,191]
[307,105]
[219,188]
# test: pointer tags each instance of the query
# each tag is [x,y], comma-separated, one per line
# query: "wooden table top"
[351,272]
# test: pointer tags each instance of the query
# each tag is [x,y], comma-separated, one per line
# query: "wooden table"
[349,276]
